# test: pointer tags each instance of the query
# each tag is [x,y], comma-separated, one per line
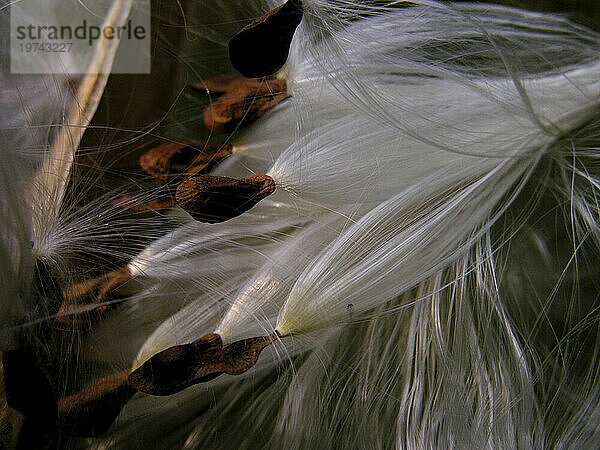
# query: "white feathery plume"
[48,189]
[409,265]
[185,274]
[266,139]
[483,116]
[436,221]
[402,242]
[254,308]
[459,42]
[442,214]
[30,105]
[32,101]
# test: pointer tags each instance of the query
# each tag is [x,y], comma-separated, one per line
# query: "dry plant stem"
[86,296]
[215,199]
[183,158]
[51,180]
[261,48]
[181,366]
[93,410]
[245,102]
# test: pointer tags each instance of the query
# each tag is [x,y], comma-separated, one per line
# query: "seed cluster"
[32,378]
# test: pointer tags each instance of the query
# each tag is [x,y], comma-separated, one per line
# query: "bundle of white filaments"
[433,165]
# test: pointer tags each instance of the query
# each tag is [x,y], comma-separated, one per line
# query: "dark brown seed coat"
[86,296]
[261,48]
[142,204]
[182,366]
[215,199]
[183,158]
[244,103]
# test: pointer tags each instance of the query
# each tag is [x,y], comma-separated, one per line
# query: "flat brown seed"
[243,104]
[143,204]
[182,366]
[93,410]
[215,199]
[240,356]
[85,297]
[183,158]
[261,48]
[179,367]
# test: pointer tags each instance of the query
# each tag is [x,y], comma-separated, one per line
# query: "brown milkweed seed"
[261,48]
[215,199]
[240,356]
[144,204]
[244,103]
[178,367]
[86,296]
[183,158]
[182,366]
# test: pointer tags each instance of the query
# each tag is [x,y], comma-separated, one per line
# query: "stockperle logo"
[61,36]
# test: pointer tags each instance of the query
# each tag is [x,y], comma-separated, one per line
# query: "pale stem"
[51,180]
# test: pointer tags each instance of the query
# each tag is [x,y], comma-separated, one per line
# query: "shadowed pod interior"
[422,271]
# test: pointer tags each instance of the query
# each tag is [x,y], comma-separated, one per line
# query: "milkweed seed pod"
[388,237]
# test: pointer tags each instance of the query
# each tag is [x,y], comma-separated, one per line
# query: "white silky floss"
[409,133]
[451,144]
